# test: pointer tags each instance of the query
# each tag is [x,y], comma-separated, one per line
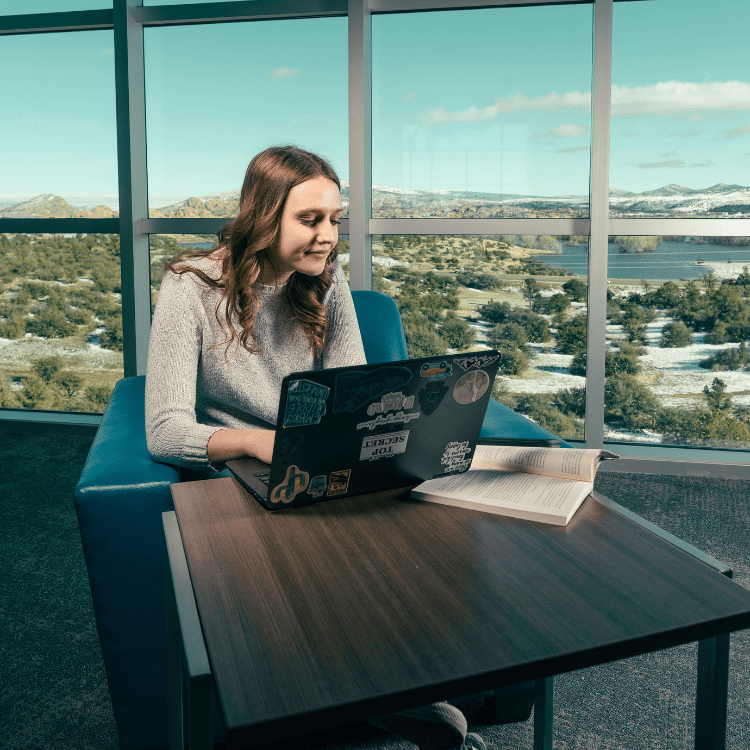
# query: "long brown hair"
[269,178]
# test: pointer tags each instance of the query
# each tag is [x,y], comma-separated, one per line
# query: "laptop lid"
[349,431]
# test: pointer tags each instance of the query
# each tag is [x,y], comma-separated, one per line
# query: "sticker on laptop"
[339,482]
[436,370]
[384,445]
[471,386]
[454,458]
[380,420]
[305,403]
[476,361]
[390,402]
[431,396]
[318,485]
[354,389]
[294,482]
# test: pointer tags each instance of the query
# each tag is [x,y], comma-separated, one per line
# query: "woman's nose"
[325,232]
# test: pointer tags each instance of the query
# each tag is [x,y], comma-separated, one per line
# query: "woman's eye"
[335,223]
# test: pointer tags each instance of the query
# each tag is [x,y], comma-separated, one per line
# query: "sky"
[493,100]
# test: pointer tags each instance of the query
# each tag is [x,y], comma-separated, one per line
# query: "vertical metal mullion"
[131,158]
[601,86]
[360,145]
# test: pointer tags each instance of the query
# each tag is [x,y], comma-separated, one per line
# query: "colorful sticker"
[294,482]
[454,458]
[318,485]
[305,403]
[390,402]
[352,390]
[471,386]
[339,482]
[478,360]
[383,446]
[380,420]
[436,370]
[431,395]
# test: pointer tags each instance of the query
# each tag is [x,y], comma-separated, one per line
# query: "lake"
[670,260]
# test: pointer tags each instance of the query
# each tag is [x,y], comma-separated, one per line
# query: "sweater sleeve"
[343,346]
[173,434]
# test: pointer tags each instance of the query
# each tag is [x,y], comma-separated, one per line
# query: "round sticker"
[471,386]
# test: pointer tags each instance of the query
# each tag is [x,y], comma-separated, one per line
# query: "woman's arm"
[225,445]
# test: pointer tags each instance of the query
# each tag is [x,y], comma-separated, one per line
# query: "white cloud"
[680,98]
[686,133]
[730,135]
[670,163]
[567,131]
[703,164]
[283,73]
[659,99]
[572,150]
[412,96]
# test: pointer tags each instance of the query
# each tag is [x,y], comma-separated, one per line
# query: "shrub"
[676,335]
[728,359]
[571,336]
[50,323]
[457,332]
[629,402]
[513,360]
[422,339]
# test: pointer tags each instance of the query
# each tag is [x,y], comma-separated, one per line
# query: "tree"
[457,332]
[530,290]
[632,244]
[558,304]
[48,367]
[512,361]
[576,290]
[508,333]
[69,382]
[50,323]
[716,396]
[571,336]
[422,339]
[676,335]
[629,402]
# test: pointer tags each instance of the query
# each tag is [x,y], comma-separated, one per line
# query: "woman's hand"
[225,445]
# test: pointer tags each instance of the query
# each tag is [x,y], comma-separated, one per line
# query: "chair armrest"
[119,500]
[502,422]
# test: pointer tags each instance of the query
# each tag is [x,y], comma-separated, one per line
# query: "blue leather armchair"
[119,500]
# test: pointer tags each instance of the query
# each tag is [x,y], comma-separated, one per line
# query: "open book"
[538,484]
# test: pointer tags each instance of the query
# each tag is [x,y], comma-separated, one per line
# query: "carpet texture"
[53,693]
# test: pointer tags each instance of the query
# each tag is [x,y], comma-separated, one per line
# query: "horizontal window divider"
[480,226]
[686,227]
[208,225]
[405,6]
[59,226]
[42,422]
[238,10]
[40,23]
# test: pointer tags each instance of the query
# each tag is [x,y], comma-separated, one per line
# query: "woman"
[269,299]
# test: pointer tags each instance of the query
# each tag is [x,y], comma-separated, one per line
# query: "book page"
[568,463]
[539,498]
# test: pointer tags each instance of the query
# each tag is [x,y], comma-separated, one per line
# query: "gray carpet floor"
[53,693]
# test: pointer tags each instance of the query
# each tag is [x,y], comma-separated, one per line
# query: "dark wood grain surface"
[349,608]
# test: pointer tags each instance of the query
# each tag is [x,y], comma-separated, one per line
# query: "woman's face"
[308,231]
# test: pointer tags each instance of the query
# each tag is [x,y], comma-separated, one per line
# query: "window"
[465,293]
[216,95]
[60,321]
[482,113]
[680,143]
[59,147]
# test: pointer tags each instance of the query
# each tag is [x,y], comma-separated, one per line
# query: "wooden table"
[328,614]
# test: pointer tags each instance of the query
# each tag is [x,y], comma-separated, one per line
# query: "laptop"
[353,430]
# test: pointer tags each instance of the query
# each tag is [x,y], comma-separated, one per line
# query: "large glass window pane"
[678,328]
[58,136]
[60,321]
[460,293]
[482,113]
[680,143]
[218,94]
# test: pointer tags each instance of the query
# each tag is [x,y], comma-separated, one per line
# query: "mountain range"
[720,200]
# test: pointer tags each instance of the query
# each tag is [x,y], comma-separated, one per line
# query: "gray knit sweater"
[191,391]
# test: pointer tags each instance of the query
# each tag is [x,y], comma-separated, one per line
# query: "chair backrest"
[381,327]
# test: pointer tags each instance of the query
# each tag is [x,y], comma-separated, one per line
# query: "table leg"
[543,697]
[188,670]
[711,693]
